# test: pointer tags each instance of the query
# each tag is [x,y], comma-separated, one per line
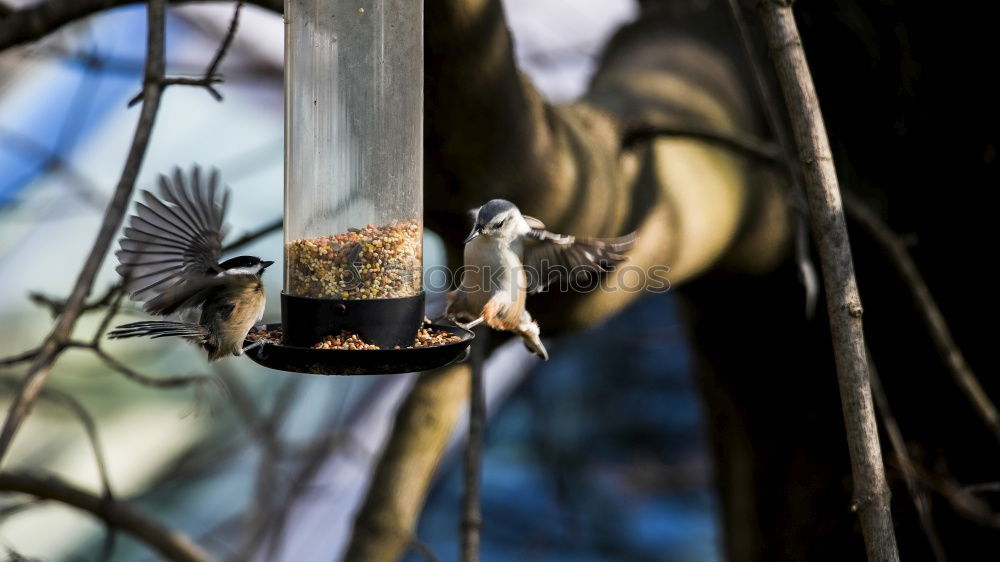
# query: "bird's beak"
[476,231]
[266,264]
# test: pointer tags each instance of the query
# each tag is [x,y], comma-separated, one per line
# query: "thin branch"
[22,357]
[51,159]
[254,235]
[37,20]
[472,517]
[56,307]
[108,317]
[963,502]
[772,113]
[220,53]
[79,411]
[984,487]
[265,431]
[871,492]
[172,544]
[146,380]
[423,550]
[894,249]
[211,75]
[35,379]
[14,508]
[313,458]
[906,467]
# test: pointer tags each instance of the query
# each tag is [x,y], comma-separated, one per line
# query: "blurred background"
[695,425]
[559,483]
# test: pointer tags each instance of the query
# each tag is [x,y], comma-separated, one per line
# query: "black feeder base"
[382,322]
[362,361]
[387,323]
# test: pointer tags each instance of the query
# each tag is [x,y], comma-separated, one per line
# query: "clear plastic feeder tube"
[353,148]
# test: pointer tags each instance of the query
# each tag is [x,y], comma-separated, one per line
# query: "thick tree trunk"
[695,203]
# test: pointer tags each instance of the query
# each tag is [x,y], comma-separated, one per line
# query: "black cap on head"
[492,208]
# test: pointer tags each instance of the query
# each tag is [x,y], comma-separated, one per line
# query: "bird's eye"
[502,222]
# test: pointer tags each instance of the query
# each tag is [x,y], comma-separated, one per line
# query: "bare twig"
[254,235]
[423,550]
[146,380]
[51,159]
[14,508]
[211,75]
[313,458]
[472,517]
[265,431]
[112,311]
[917,493]
[171,543]
[42,18]
[894,249]
[220,53]
[56,307]
[39,371]
[871,493]
[771,107]
[22,357]
[963,502]
[79,411]
[983,487]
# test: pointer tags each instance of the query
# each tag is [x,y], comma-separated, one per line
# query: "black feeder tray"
[362,361]
[383,322]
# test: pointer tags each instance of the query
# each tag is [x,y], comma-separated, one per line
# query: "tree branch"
[39,371]
[383,528]
[917,493]
[78,410]
[211,75]
[929,312]
[38,20]
[254,235]
[829,229]
[171,543]
[472,517]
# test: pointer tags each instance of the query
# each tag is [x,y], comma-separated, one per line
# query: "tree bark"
[383,528]
[871,492]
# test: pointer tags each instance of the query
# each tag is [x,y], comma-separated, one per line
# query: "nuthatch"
[509,256]
[169,259]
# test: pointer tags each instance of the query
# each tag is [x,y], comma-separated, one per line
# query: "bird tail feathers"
[160,329]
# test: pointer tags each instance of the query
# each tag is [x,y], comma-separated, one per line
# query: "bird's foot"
[258,343]
[470,325]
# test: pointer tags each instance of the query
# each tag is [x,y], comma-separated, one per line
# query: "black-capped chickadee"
[509,256]
[169,259]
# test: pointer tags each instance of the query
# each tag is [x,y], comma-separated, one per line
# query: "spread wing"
[172,244]
[549,256]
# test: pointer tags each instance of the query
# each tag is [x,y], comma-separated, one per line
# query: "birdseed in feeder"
[427,336]
[374,262]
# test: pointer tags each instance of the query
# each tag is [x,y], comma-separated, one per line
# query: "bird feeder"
[353,222]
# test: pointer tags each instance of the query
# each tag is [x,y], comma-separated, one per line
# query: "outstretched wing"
[173,243]
[549,256]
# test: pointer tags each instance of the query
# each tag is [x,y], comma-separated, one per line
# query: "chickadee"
[169,259]
[509,256]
